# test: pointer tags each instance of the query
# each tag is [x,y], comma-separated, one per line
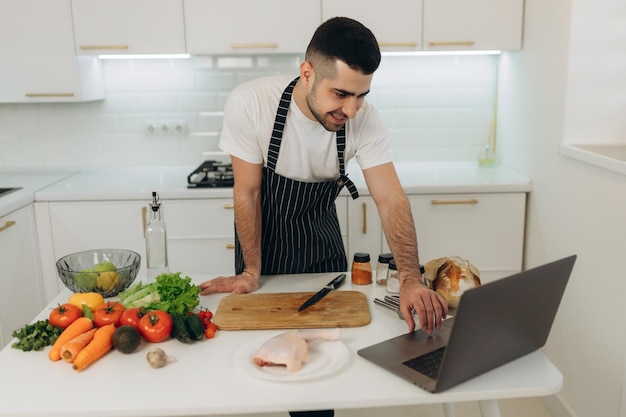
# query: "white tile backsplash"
[436,108]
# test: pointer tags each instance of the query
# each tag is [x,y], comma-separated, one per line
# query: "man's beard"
[328,125]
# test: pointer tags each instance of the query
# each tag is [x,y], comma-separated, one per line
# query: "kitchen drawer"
[201,256]
[199,218]
[486,229]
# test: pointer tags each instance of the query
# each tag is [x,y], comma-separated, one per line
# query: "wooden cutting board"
[280,311]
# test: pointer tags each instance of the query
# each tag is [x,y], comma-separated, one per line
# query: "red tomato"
[206,316]
[64,314]
[131,317]
[156,326]
[108,313]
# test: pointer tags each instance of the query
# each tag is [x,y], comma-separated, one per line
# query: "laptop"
[494,324]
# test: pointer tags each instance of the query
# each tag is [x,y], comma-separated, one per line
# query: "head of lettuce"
[170,293]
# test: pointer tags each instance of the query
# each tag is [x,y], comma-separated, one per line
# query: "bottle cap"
[361,257]
[384,258]
[392,265]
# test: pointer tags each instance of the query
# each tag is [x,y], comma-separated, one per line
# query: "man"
[289,144]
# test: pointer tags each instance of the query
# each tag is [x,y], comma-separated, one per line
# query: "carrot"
[78,327]
[70,349]
[102,342]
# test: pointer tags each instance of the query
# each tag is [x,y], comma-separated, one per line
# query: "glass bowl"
[104,271]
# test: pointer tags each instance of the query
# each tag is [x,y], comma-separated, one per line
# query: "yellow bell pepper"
[89,299]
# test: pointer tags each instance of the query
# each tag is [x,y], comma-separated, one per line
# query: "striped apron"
[300,230]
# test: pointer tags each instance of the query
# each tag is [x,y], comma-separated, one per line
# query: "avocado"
[126,339]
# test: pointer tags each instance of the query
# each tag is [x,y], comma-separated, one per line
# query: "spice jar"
[393,282]
[382,267]
[361,269]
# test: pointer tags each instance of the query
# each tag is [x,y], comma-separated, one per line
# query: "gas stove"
[211,174]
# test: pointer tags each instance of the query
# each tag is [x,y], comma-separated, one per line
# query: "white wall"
[435,108]
[574,207]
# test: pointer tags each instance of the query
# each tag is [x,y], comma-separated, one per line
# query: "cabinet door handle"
[253,45]
[144,219]
[229,206]
[398,44]
[49,94]
[444,202]
[104,47]
[451,43]
[230,246]
[364,218]
[7,224]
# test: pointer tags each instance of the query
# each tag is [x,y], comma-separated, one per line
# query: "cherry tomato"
[210,330]
[206,316]
[64,314]
[108,313]
[156,326]
[131,317]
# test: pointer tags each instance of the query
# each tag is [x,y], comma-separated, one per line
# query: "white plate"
[325,357]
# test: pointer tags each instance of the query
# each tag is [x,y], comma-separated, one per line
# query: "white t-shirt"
[308,152]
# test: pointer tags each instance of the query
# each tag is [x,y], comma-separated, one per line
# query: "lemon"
[108,280]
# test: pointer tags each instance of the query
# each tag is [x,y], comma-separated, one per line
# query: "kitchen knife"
[332,285]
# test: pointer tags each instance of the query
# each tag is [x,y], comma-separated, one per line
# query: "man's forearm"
[248,224]
[401,237]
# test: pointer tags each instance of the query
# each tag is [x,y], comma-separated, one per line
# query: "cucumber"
[179,328]
[194,326]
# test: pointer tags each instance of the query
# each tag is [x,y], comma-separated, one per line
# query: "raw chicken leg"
[291,347]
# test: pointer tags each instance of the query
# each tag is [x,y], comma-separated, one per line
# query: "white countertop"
[207,378]
[30,181]
[171,182]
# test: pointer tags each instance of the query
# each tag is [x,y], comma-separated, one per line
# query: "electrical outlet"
[178,127]
[165,128]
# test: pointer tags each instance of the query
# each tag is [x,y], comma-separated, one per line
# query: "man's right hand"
[237,284]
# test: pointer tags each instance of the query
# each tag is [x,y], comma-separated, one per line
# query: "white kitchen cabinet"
[38,63]
[250,26]
[479,24]
[364,228]
[200,236]
[397,24]
[486,229]
[21,293]
[82,225]
[128,27]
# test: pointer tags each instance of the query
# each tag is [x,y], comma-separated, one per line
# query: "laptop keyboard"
[428,364]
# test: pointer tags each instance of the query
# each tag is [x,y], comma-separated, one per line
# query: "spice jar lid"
[361,257]
[392,265]
[384,258]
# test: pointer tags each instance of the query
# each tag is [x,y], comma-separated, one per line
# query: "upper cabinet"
[128,27]
[479,24]
[38,63]
[436,25]
[250,26]
[397,24]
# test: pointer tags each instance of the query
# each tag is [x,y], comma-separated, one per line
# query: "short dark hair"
[345,39]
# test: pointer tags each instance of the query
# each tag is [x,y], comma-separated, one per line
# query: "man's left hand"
[430,307]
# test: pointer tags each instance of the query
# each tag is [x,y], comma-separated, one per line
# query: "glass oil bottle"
[156,241]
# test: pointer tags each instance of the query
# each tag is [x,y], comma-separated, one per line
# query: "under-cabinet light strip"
[385,53]
[144,56]
[427,53]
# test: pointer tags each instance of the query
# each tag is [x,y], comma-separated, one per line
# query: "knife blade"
[332,285]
